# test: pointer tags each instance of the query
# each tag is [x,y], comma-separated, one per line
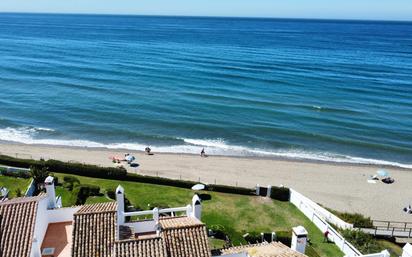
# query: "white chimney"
[196,207]
[51,193]
[120,205]
[299,239]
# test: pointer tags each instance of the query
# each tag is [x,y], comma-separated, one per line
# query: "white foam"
[27,135]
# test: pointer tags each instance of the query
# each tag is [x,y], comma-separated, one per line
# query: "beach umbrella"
[198,187]
[383,173]
[130,158]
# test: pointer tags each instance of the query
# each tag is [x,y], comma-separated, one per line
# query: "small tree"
[18,192]
[39,174]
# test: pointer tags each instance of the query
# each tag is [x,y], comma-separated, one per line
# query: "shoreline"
[271,158]
[339,186]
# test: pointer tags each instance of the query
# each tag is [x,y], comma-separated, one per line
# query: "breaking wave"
[32,135]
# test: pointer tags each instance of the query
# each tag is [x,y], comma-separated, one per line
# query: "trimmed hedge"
[357,219]
[67,167]
[280,193]
[16,174]
[83,191]
[115,173]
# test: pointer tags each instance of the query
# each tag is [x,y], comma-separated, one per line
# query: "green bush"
[365,243]
[16,174]
[66,167]
[219,231]
[82,192]
[69,182]
[253,237]
[285,237]
[114,173]
[111,193]
[357,219]
[280,193]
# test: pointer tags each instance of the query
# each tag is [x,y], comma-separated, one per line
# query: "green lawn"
[236,213]
[13,184]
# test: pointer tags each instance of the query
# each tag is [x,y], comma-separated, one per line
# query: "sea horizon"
[210,17]
[311,89]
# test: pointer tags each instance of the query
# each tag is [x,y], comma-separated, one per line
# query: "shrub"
[82,192]
[69,182]
[219,232]
[253,238]
[365,243]
[357,219]
[16,174]
[280,193]
[111,193]
[285,237]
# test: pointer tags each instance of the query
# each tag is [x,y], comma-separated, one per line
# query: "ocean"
[323,90]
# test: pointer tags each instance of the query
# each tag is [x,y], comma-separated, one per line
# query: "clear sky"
[337,9]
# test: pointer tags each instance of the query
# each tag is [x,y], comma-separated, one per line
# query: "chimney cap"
[300,231]
[49,180]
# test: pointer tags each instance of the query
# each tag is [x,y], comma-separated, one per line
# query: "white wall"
[316,214]
[142,226]
[297,198]
[41,220]
[62,214]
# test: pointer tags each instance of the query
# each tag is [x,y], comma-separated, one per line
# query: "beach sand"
[341,187]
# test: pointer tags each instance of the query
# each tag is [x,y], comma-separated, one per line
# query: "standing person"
[325,236]
[202,153]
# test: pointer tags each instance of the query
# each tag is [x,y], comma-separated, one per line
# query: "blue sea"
[322,90]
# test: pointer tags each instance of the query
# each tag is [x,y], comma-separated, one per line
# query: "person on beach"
[202,153]
[148,150]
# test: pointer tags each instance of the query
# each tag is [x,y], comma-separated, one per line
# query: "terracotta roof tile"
[185,238]
[153,247]
[274,249]
[18,217]
[97,208]
[94,230]
[179,222]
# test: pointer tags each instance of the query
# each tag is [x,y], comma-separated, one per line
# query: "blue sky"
[342,9]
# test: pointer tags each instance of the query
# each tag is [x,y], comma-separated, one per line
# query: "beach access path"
[342,187]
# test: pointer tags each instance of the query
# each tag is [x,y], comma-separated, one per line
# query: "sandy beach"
[338,186]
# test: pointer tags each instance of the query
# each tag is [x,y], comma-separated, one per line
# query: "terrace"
[59,238]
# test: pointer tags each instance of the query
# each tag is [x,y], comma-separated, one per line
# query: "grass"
[394,249]
[238,214]
[12,184]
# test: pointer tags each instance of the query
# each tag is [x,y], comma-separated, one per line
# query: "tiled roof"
[179,222]
[18,218]
[97,208]
[274,249]
[94,230]
[185,237]
[153,247]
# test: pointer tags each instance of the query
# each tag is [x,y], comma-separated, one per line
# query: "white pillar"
[50,191]
[35,248]
[299,239]
[120,205]
[196,207]
[188,210]
[269,191]
[407,250]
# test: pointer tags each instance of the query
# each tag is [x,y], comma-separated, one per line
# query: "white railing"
[316,214]
[152,212]
[320,211]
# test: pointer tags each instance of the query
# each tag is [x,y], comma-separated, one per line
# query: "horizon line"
[208,16]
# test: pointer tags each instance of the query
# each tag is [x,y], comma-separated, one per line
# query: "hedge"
[280,193]
[115,173]
[357,219]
